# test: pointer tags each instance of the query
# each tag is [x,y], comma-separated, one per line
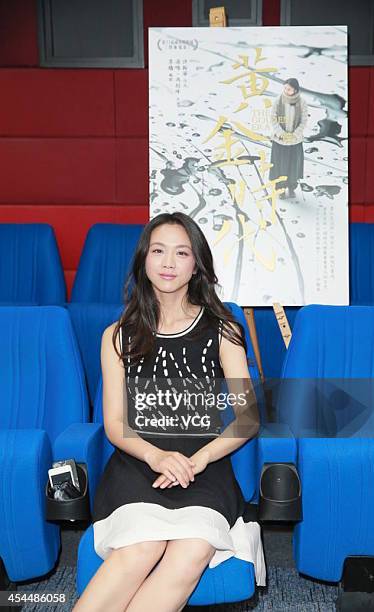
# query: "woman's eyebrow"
[177,246]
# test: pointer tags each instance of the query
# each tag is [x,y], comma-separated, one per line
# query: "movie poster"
[249,137]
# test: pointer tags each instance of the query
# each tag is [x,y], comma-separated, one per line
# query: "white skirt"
[142,522]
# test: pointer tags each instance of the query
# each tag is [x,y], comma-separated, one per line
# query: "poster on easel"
[249,137]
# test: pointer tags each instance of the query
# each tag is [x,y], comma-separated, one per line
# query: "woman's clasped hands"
[175,468]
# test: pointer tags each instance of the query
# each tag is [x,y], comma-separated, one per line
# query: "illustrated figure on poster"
[289,117]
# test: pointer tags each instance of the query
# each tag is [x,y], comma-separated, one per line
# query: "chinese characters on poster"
[248,136]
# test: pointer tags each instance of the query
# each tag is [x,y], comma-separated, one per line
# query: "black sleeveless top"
[173,392]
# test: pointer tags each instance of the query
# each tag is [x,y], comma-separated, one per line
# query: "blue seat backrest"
[41,376]
[361,272]
[332,341]
[89,322]
[271,344]
[31,270]
[361,263]
[251,359]
[98,417]
[328,371]
[104,263]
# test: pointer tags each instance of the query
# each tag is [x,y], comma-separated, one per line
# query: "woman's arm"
[246,424]
[116,426]
[115,401]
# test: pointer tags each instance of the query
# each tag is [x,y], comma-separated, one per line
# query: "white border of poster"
[217,103]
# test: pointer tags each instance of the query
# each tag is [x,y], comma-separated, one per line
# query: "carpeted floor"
[286,590]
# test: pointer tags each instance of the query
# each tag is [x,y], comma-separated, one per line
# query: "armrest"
[84,443]
[276,443]
[244,464]
[338,505]
[29,545]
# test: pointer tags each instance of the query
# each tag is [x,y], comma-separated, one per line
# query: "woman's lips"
[168,276]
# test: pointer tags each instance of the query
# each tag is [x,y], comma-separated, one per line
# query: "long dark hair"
[142,311]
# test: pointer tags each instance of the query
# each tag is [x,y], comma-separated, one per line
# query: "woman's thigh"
[142,554]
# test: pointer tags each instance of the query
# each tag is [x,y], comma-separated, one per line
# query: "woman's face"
[170,262]
[288,90]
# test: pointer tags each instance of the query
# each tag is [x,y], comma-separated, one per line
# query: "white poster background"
[210,145]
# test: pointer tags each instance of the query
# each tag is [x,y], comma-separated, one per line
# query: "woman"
[168,503]
[289,117]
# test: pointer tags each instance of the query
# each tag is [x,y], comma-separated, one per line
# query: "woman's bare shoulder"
[107,337]
[108,331]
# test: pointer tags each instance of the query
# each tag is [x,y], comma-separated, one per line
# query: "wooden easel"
[250,318]
[217,19]
[284,327]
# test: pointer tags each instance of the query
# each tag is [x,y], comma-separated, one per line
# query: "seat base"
[245,604]
[358,574]
[355,602]
[4,579]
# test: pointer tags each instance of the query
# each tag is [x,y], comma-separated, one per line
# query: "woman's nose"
[169,260]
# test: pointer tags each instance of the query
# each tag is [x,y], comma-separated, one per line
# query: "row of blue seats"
[45,417]
[31,273]
[31,270]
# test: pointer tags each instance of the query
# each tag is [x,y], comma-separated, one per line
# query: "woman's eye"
[156,251]
[182,253]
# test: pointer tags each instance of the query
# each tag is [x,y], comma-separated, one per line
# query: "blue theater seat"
[326,397]
[43,418]
[233,580]
[89,322]
[104,263]
[31,271]
[270,341]
[106,258]
[361,263]
[361,279]
[97,293]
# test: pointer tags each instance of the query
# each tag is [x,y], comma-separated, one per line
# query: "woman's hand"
[200,460]
[172,465]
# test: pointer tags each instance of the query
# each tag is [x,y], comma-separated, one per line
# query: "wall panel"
[73,143]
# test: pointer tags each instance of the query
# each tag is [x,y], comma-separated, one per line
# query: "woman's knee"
[189,557]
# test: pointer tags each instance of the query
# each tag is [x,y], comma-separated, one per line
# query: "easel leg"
[250,318]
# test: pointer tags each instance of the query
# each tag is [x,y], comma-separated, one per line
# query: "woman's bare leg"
[119,577]
[169,586]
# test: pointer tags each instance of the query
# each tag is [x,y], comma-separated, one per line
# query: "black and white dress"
[127,509]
